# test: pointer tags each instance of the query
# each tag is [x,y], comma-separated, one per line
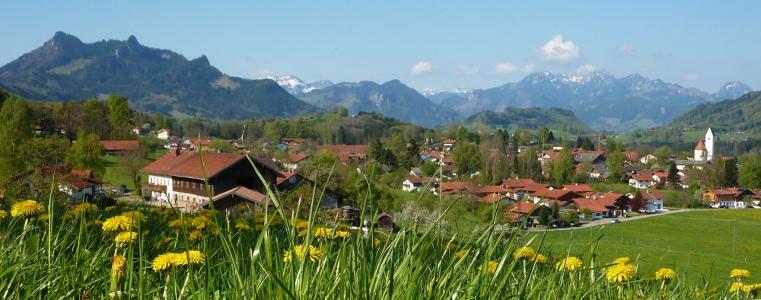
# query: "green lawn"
[113,176]
[698,244]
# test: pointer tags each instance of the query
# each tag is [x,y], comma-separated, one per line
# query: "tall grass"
[66,255]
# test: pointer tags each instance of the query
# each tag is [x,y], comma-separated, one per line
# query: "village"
[193,175]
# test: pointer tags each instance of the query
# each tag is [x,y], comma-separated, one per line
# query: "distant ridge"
[65,68]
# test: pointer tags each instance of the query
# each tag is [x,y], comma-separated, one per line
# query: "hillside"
[392,98]
[529,118]
[65,68]
[598,98]
[741,114]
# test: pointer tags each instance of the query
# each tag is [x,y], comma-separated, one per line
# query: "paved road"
[607,221]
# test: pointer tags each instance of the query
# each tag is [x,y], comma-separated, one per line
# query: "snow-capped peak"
[431,92]
[732,90]
[296,86]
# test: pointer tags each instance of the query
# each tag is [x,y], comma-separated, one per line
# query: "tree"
[730,172]
[466,158]
[562,168]
[429,168]
[15,128]
[616,166]
[529,166]
[663,153]
[130,164]
[544,215]
[673,176]
[86,153]
[750,172]
[119,116]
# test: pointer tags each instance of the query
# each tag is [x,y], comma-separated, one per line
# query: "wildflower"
[80,209]
[622,261]
[462,253]
[377,242]
[736,287]
[117,223]
[301,251]
[739,273]
[301,224]
[323,232]
[163,261]
[621,273]
[491,266]
[26,208]
[570,263]
[540,259]
[110,208]
[241,224]
[194,235]
[190,257]
[3,214]
[524,253]
[665,274]
[125,237]
[200,222]
[751,288]
[135,216]
[117,266]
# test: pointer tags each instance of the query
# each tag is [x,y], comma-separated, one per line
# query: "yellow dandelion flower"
[739,273]
[570,263]
[665,274]
[462,253]
[163,262]
[26,208]
[117,223]
[622,261]
[241,224]
[540,259]
[751,288]
[491,266]
[110,208]
[117,266]
[301,251]
[3,214]
[135,216]
[377,242]
[736,287]
[194,235]
[621,273]
[179,223]
[324,232]
[125,237]
[200,222]
[524,253]
[190,257]
[301,224]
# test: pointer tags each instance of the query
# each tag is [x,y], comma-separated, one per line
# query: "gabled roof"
[701,145]
[188,164]
[494,197]
[455,186]
[492,189]
[608,199]
[120,145]
[518,183]
[590,204]
[245,193]
[647,196]
[579,188]
[554,194]
[524,207]
[296,157]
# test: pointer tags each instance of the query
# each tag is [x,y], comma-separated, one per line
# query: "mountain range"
[65,68]
[296,86]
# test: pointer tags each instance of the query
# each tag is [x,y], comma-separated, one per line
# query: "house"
[414,183]
[647,159]
[617,204]
[118,147]
[580,189]
[652,202]
[522,211]
[178,178]
[291,162]
[451,187]
[386,222]
[347,153]
[496,198]
[237,197]
[727,197]
[491,189]
[416,172]
[550,195]
[642,181]
[448,144]
[593,157]
[78,184]
[632,156]
[163,134]
[597,209]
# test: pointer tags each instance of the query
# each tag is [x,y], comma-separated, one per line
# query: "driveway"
[607,221]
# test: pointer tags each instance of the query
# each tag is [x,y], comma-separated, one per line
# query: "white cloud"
[467,70]
[528,68]
[585,69]
[421,67]
[691,77]
[625,50]
[505,68]
[560,50]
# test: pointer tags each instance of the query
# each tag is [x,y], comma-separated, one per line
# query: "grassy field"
[703,244]
[111,175]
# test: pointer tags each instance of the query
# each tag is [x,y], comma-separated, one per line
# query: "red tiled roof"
[523,207]
[608,199]
[643,177]
[590,204]
[513,183]
[455,186]
[579,188]
[86,173]
[296,157]
[188,164]
[120,145]
[632,155]
[492,189]
[554,194]
[652,195]
[493,197]
[701,145]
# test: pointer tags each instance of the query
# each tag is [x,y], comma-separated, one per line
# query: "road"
[607,221]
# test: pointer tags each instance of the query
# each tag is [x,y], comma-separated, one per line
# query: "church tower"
[709,144]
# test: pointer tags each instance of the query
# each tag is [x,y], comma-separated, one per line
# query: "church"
[704,148]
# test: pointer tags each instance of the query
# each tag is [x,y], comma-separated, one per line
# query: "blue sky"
[426,44]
